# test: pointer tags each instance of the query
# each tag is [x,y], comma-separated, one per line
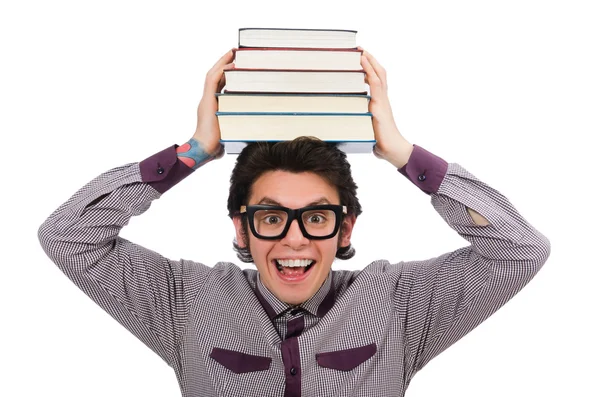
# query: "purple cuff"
[425,170]
[164,170]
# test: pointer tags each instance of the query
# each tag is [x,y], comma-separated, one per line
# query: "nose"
[294,237]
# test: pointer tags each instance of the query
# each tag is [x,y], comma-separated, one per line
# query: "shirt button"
[160,170]
[422,177]
[293,371]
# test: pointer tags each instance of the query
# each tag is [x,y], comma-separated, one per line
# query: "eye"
[316,218]
[272,219]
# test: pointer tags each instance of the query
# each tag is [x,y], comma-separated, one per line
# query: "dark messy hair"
[303,154]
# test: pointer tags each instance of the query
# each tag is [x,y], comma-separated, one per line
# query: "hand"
[207,129]
[390,145]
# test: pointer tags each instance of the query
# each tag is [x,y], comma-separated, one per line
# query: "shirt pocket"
[239,362]
[348,359]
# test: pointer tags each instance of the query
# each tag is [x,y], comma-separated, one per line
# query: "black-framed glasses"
[272,222]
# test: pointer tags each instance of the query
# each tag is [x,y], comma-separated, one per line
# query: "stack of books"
[296,82]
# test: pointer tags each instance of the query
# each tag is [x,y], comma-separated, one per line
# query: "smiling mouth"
[293,268]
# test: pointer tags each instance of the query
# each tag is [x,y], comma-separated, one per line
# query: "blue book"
[235,147]
[352,132]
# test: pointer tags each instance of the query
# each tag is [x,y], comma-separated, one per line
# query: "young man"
[294,327]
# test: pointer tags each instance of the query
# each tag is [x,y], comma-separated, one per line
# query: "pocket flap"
[239,362]
[345,360]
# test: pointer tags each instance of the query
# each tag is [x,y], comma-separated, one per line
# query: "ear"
[346,229]
[239,231]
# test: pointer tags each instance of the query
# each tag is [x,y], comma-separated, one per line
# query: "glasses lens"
[319,223]
[270,223]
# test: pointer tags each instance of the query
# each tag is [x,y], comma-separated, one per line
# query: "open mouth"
[292,269]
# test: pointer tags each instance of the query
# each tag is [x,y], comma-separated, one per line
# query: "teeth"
[294,262]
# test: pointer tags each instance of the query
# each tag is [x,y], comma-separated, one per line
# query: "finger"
[215,79]
[218,67]
[225,59]
[221,152]
[361,51]
[222,80]
[221,84]
[372,78]
[377,67]
[377,152]
[368,68]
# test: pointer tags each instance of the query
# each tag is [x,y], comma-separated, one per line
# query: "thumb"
[377,152]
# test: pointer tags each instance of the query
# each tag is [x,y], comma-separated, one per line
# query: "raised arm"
[145,292]
[442,299]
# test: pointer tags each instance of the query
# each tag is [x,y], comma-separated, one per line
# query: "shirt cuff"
[425,170]
[164,170]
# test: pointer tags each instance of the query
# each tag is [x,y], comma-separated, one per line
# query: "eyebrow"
[270,201]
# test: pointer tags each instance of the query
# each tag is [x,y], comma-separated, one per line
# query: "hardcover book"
[297,58]
[297,38]
[288,83]
[295,81]
[242,126]
[235,147]
[291,103]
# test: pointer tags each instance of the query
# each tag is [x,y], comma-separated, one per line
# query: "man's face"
[293,191]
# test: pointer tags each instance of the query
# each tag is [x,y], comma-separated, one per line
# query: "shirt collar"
[318,305]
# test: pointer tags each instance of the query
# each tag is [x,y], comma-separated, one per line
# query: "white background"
[510,90]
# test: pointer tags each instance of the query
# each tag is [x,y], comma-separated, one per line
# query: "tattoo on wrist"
[193,155]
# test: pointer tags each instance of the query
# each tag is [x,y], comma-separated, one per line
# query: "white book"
[251,126]
[297,58]
[295,81]
[298,38]
[278,102]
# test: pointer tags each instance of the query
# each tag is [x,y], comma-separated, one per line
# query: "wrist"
[194,154]
[399,152]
